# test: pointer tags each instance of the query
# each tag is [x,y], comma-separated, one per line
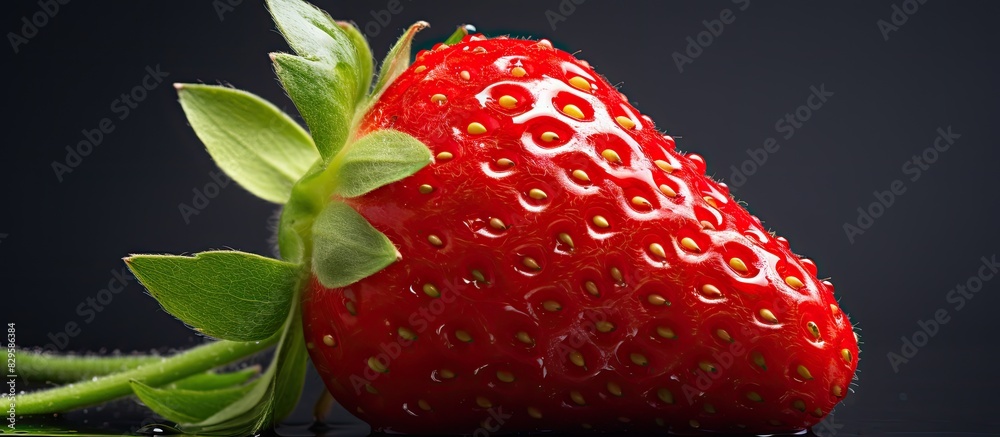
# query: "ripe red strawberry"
[564,266]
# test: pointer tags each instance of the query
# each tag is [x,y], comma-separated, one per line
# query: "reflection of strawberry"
[563,265]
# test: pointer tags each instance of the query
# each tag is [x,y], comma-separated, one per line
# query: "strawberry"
[564,267]
[490,238]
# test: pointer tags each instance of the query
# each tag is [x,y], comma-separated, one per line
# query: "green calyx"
[250,302]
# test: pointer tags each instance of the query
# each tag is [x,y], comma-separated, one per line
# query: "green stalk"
[182,365]
[67,368]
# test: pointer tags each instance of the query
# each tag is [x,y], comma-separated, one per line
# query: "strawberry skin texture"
[565,267]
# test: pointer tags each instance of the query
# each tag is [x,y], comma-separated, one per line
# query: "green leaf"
[226,294]
[397,60]
[255,143]
[377,159]
[213,380]
[328,77]
[189,406]
[347,248]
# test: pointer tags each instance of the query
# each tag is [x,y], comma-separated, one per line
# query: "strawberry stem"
[68,368]
[166,370]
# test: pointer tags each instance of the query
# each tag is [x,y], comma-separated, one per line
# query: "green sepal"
[456,37]
[309,30]
[326,80]
[273,396]
[229,295]
[255,143]
[324,100]
[397,60]
[364,56]
[347,248]
[290,378]
[377,159]
[309,196]
[189,406]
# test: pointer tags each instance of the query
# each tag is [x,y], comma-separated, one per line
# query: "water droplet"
[156,429]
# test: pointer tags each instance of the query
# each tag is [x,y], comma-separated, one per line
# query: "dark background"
[60,241]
